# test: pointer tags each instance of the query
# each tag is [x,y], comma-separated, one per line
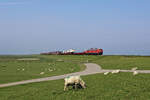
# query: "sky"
[34,26]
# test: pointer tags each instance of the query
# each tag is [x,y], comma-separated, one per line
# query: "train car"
[52,53]
[68,52]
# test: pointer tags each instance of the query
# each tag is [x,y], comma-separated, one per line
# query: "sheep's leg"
[83,86]
[75,85]
[65,87]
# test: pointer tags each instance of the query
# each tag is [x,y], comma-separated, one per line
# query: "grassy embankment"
[124,62]
[110,62]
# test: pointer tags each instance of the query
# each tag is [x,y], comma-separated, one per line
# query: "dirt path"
[91,68]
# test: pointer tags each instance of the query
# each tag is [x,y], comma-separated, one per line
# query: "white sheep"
[42,73]
[106,73]
[50,70]
[73,81]
[135,73]
[135,68]
[115,71]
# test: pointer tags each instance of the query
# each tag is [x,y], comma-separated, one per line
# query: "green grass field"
[12,69]
[122,86]
[109,62]
[124,62]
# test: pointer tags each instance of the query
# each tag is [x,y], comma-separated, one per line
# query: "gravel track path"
[91,68]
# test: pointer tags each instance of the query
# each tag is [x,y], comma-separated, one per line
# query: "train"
[91,51]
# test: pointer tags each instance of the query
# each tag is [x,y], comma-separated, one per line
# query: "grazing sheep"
[74,81]
[135,68]
[50,70]
[42,73]
[135,73]
[106,73]
[115,71]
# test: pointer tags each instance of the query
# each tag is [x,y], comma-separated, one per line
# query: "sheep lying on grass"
[135,73]
[106,73]
[115,71]
[74,81]
[135,68]
[42,73]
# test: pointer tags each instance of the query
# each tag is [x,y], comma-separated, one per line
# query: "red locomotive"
[94,51]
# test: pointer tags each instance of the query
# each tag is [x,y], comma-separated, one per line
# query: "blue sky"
[34,26]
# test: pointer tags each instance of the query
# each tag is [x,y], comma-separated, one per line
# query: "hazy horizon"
[34,26]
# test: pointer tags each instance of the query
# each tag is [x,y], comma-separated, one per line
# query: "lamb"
[42,73]
[115,71]
[106,73]
[135,73]
[74,81]
[135,68]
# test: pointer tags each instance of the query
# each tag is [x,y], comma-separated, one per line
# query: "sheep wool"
[106,73]
[135,73]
